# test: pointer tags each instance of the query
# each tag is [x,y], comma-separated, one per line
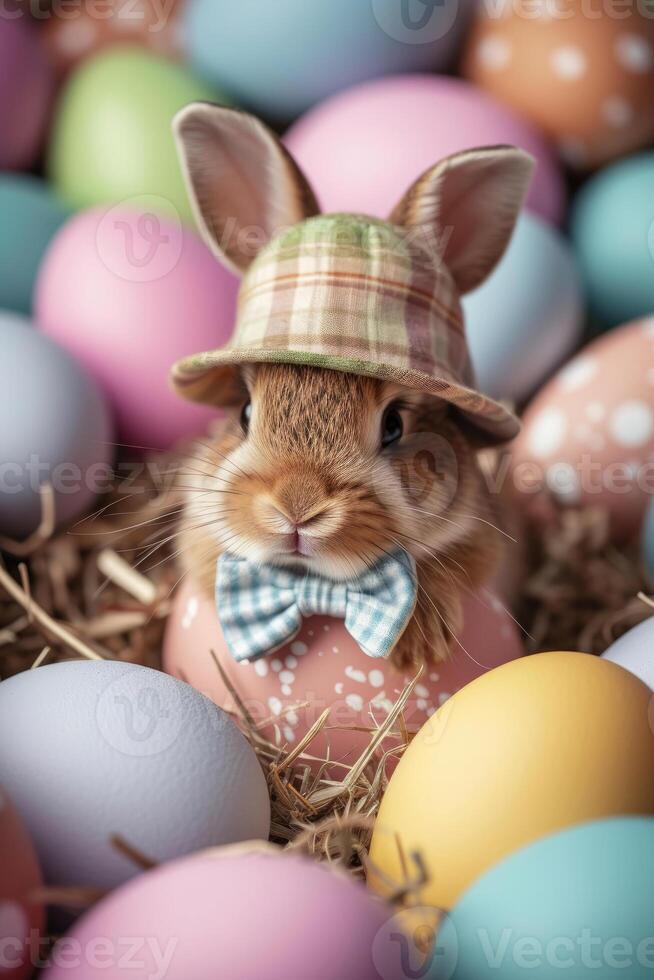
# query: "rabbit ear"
[243,184]
[468,205]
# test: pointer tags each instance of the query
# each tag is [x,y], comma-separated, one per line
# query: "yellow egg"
[532,747]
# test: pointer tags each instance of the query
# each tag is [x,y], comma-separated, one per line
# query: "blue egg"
[647,540]
[577,904]
[279,58]
[635,650]
[612,229]
[528,316]
[29,217]
[54,428]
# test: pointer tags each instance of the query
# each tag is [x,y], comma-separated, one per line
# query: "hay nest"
[104,588]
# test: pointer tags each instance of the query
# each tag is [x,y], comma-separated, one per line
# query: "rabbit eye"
[246,414]
[392,427]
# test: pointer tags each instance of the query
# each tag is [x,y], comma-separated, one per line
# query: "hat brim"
[212,378]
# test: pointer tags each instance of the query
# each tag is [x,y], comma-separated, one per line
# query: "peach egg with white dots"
[588,437]
[581,70]
[286,692]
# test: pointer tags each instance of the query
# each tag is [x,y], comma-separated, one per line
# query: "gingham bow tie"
[261,607]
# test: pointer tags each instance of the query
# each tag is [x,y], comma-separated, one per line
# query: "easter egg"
[112,138]
[528,315]
[20,913]
[324,668]
[584,78]
[612,227]
[54,428]
[31,215]
[256,912]
[279,59]
[129,293]
[25,93]
[588,436]
[647,540]
[537,745]
[635,652]
[68,40]
[577,903]
[363,148]
[92,749]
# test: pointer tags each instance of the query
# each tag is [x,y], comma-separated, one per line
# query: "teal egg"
[612,229]
[577,904]
[647,539]
[31,215]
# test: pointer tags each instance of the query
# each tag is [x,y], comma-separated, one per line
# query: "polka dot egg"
[323,668]
[584,76]
[588,437]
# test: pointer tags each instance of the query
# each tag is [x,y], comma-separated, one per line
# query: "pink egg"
[128,292]
[323,667]
[26,85]
[21,918]
[588,437]
[363,148]
[232,914]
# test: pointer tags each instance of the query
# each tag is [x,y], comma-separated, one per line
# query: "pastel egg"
[612,227]
[55,428]
[20,912]
[362,149]
[31,214]
[588,436]
[25,93]
[635,652]
[282,58]
[287,691]
[93,749]
[537,745]
[584,78]
[257,913]
[112,138]
[647,540]
[68,40]
[528,316]
[577,903]
[151,292]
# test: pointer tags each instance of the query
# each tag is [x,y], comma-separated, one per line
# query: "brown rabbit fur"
[304,467]
[312,452]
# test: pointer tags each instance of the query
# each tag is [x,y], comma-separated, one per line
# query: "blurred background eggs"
[92,749]
[55,428]
[257,912]
[112,138]
[128,292]
[343,144]
[588,436]
[68,40]
[528,315]
[26,86]
[323,667]
[576,903]
[612,228]
[20,911]
[532,747]
[281,58]
[31,214]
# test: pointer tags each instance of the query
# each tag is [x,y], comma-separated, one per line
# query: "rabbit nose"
[298,498]
[284,521]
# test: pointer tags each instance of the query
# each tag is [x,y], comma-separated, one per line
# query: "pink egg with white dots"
[588,437]
[287,691]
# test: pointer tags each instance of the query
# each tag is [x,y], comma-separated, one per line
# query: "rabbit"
[328,470]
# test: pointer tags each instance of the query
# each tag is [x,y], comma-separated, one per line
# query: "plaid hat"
[354,294]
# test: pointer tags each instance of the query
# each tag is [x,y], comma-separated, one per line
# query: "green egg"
[577,904]
[112,138]
[30,214]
